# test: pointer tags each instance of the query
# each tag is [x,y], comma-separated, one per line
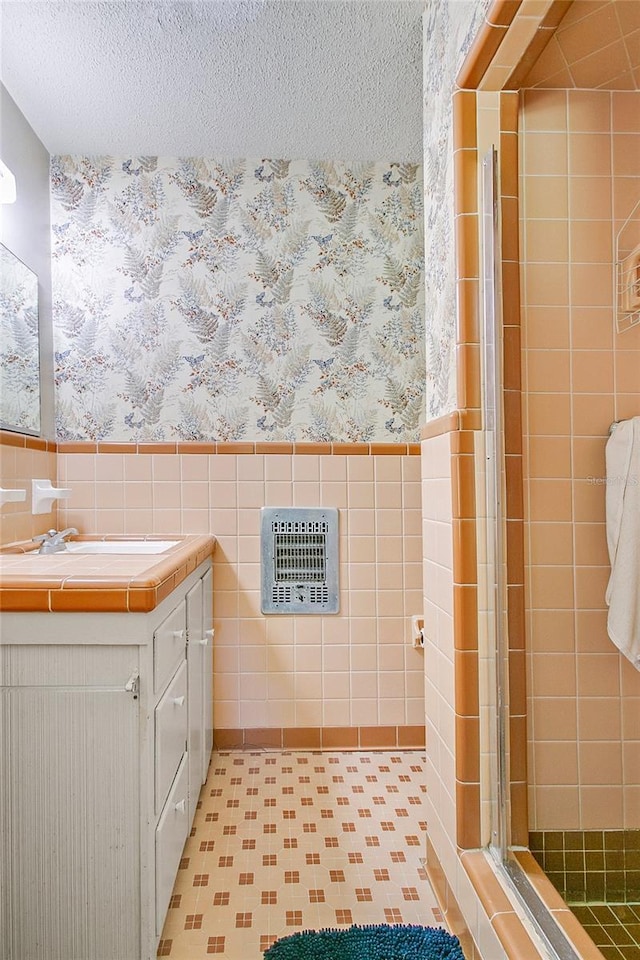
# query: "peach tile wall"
[595,45]
[580,155]
[437,539]
[354,669]
[480,121]
[478,902]
[458,763]
[21,460]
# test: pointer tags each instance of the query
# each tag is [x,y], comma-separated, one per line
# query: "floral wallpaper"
[449,30]
[202,299]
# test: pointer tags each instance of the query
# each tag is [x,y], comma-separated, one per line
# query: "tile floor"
[285,841]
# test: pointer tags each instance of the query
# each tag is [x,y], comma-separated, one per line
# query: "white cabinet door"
[195,661]
[168,647]
[69,789]
[171,836]
[207,671]
[171,732]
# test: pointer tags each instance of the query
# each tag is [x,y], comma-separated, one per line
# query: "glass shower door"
[492,592]
[494,656]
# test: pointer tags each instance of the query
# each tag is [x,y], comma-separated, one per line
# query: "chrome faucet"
[53,541]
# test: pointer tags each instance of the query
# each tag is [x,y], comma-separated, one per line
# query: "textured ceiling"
[308,79]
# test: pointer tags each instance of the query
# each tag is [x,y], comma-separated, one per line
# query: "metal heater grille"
[299,560]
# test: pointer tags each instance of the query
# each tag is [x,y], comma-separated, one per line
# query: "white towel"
[623,537]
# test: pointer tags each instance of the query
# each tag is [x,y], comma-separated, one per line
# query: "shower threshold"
[557,943]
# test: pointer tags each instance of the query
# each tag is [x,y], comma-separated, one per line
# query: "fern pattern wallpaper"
[269,300]
[449,30]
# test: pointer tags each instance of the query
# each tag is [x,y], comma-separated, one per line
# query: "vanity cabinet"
[105,737]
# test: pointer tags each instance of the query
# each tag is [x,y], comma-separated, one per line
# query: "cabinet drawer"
[169,644]
[171,836]
[170,733]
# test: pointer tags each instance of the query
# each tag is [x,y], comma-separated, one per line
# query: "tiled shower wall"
[581,179]
[353,670]
[447,754]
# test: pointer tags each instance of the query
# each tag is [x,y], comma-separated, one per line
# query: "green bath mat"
[373,942]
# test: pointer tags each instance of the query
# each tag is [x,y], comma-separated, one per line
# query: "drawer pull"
[132,684]
[180,806]
[178,634]
[178,701]
[209,634]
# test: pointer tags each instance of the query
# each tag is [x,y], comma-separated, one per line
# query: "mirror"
[628,272]
[19,346]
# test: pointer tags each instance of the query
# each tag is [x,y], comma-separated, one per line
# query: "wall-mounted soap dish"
[43,495]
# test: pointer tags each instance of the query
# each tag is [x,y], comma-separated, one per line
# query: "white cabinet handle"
[178,634]
[180,806]
[178,701]
[209,634]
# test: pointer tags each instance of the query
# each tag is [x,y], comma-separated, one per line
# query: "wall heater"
[299,554]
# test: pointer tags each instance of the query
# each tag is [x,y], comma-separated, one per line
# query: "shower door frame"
[492,384]
[500,842]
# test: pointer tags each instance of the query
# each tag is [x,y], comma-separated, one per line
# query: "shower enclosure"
[594,864]
[558,718]
[495,744]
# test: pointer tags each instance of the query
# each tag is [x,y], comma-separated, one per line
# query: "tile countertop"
[87,583]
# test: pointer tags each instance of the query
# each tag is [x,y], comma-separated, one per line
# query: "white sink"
[118,546]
